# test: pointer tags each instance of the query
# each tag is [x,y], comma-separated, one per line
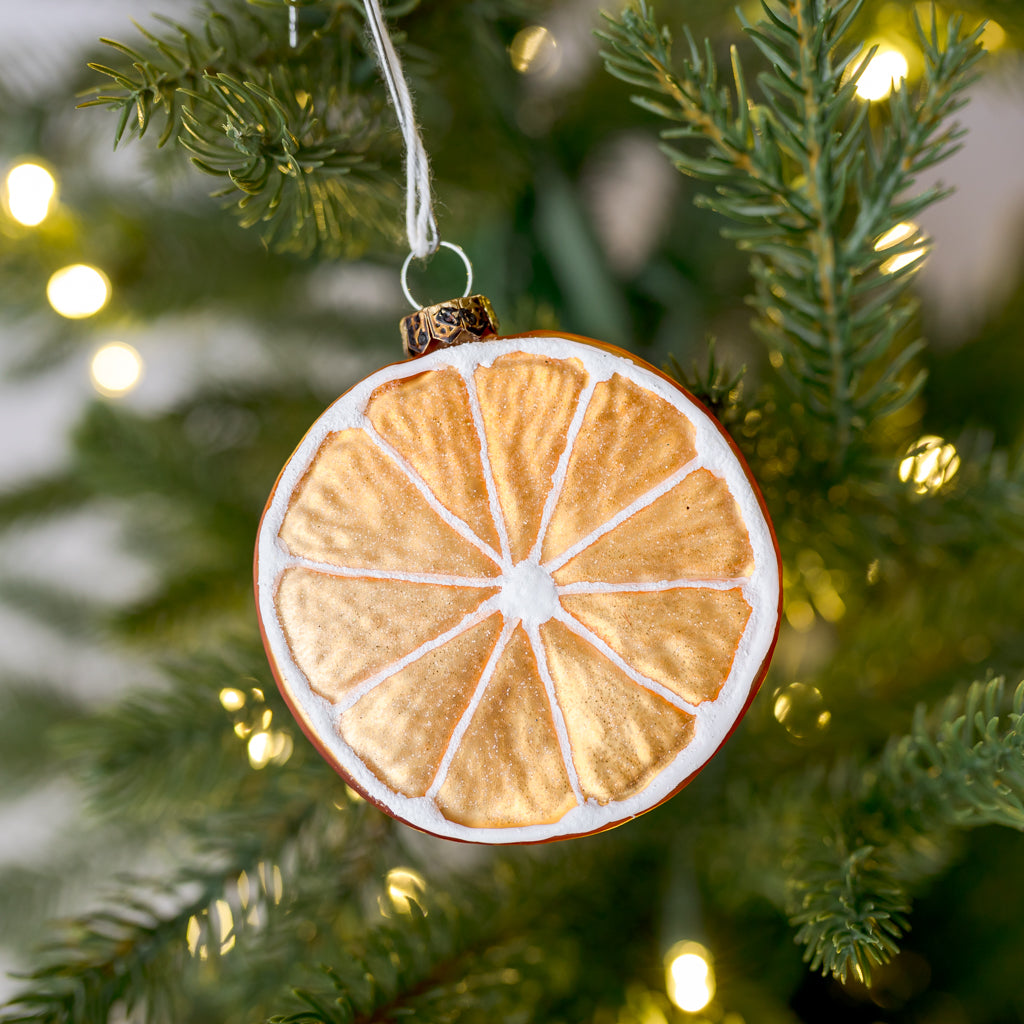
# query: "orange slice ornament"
[516,589]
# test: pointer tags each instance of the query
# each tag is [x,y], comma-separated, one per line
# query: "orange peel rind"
[517,590]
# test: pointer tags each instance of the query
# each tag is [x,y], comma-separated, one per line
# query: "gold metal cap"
[449,323]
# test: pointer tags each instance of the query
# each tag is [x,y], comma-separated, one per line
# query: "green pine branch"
[812,177]
[961,766]
[847,907]
[299,135]
[134,950]
[470,952]
[716,385]
[33,711]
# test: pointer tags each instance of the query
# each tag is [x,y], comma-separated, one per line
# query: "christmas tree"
[853,852]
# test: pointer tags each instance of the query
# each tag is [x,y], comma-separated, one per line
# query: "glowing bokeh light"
[193,933]
[929,464]
[78,291]
[266,748]
[885,71]
[903,259]
[259,749]
[688,976]
[993,35]
[115,369]
[244,890]
[215,926]
[29,193]
[270,876]
[405,887]
[799,614]
[232,699]
[269,747]
[225,925]
[800,710]
[900,233]
[534,51]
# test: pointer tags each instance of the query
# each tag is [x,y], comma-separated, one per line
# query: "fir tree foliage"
[813,178]
[259,889]
[309,180]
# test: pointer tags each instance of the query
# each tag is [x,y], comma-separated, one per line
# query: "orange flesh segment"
[630,441]
[341,631]
[621,735]
[355,508]
[693,531]
[509,769]
[527,403]
[402,727]
[684,638]
[426,418]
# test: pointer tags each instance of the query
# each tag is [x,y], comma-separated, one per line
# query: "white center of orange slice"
[517,590]
[528,593]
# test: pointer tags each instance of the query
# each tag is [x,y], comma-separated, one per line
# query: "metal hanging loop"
[447,245]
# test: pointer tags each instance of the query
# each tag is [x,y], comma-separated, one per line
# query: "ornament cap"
[448,323]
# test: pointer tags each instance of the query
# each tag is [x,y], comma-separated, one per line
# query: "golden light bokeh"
[900,233]
[78,291]
[29,193]
[800,614]
[929,464]
[269,747]
[405,888]
[270,877]
[800,710]
[901,260]
[115,369]
[214,927]
[993,35]
[885,72]
[689,976]
[232,699]
[534,51]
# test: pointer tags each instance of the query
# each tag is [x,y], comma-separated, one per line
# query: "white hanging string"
[420,225]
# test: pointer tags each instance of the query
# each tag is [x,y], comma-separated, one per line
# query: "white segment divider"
[561,469]
[594,640]
[533,632]
[741,583]
[421,485]
[485,461]
[645,499]
[481,612]
[329,569]
[467,716]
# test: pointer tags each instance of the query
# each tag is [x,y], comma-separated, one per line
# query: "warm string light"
[78,291]
[29,193]
[812,590]
[689,976]
[894,236]
[929,464]
[534,51]
[264,745]
[115,369]
[885,71]
[215,930]
[800,710]
[405,888]
[993,35]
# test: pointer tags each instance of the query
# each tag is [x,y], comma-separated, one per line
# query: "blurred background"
[159,362]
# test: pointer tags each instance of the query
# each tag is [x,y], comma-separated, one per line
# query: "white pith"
[714,718]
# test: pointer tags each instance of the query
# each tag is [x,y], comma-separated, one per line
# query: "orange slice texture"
[517,590]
